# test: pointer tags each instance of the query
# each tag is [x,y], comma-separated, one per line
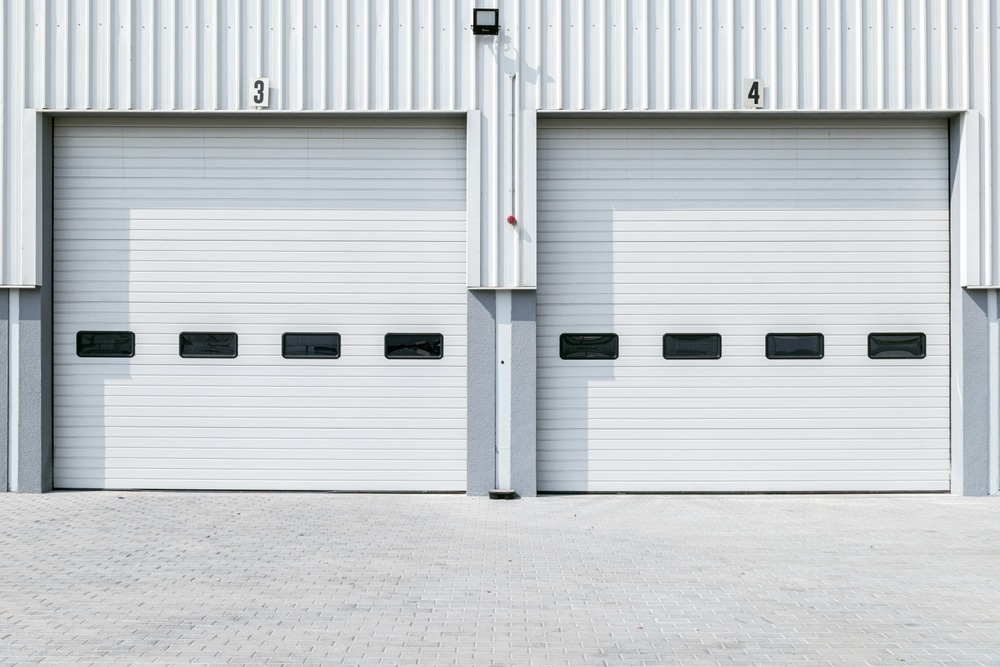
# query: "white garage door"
[255,270]
[811,257]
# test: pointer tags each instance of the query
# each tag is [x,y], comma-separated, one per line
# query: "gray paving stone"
[326,579]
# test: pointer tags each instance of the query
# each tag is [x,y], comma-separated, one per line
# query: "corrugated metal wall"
[403,55]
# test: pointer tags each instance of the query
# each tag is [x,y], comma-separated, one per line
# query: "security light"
[485,21]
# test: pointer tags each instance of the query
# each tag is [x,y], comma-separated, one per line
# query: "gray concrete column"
[481,392]
[4,385]
[34,418]
[975,392]
[524,473]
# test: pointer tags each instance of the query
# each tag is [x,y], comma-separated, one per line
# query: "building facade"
[618,246]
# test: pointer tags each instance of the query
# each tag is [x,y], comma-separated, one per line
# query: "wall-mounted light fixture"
[485,21]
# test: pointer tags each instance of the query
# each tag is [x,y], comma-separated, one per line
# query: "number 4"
[753,94]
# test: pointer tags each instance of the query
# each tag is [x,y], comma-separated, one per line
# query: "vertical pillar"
[974,395]
[32,419]
[481,393]
[524,475]
[4,389]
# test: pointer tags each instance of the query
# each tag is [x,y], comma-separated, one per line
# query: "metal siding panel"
[703,55]
[681,65]
[811,76]
[312,58]
[9,251]
[15,48]
[275,55]
[647,227]
[170,225]
[957,69]
[623,54]
[124,75]
[726,46]
[852,34]
[296,71]
[551,43]
[990,102]
[61,65]
[830,57]
[36,64]
[623,46]
[145,68]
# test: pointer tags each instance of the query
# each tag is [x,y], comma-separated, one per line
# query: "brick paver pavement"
[341,579]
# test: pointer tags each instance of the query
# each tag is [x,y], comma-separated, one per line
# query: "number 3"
[259,89]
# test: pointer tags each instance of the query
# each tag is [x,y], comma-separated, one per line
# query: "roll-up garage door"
[260,304]
[751,305]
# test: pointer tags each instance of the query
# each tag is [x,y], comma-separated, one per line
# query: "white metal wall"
[743,228]
[359,55]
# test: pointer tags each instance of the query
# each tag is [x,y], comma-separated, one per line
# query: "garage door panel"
[347,227]
[743,229]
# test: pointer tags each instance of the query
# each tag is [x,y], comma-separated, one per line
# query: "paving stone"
[355,579]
